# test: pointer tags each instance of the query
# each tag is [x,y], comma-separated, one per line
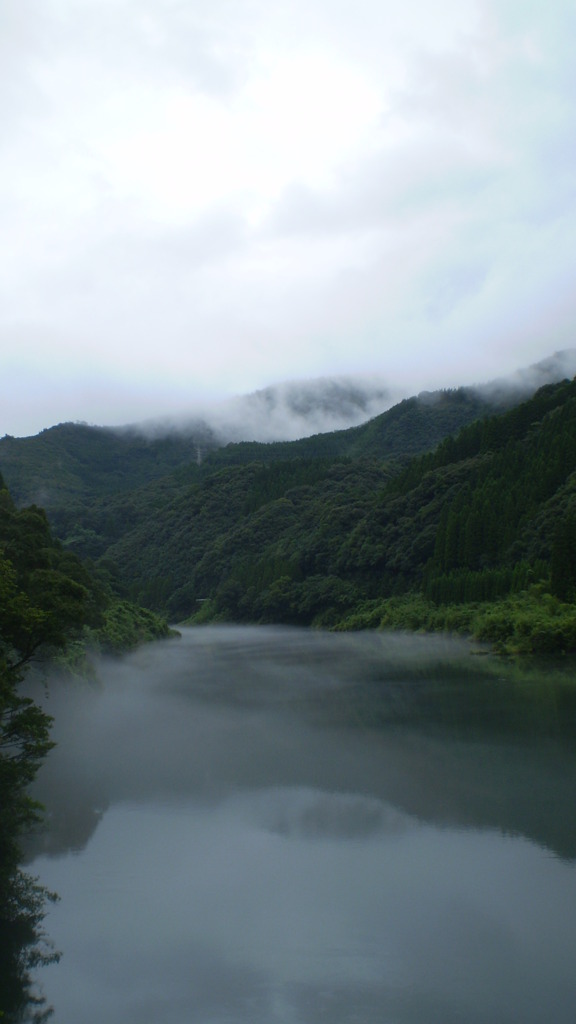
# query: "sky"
[198,200]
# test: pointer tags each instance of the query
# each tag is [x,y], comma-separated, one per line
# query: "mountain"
[295,409]
[292,410]
[310,540]
[456,496]
[328,417]
[98,484]
[76,461]
[525,381]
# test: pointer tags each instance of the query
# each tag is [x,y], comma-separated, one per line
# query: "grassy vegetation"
[531,622]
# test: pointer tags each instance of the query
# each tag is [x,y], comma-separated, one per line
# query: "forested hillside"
[375,525]
[77,463]
[99,485]
[50,599]
[414,425]
[74,462]
[487,515]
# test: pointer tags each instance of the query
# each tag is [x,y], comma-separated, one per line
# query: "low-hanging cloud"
[201,204]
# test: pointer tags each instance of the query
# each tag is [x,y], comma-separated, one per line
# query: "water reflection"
[281,826]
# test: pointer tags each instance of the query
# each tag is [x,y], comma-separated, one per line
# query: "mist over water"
[277,826]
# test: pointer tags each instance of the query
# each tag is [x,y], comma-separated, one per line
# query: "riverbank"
[532,622]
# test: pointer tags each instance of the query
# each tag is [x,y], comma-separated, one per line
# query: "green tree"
[41,605]
[563,561]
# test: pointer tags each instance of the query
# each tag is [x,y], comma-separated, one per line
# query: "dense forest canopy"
[447,500]
[446,512]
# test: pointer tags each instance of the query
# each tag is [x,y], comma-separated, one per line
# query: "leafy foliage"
[99,484]
[488,514]
[49,601]
[316,530]
[74,461]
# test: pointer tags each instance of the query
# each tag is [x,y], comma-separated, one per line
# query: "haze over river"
[278,826]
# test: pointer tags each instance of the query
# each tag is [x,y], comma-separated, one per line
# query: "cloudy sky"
[199,199]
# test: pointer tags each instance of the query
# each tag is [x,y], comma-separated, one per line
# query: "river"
[280,826]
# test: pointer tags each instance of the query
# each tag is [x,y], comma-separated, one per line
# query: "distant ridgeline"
[447,511]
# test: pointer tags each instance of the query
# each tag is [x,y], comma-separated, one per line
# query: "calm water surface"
[273,826]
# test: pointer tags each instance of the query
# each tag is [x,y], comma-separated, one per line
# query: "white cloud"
[212,198]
